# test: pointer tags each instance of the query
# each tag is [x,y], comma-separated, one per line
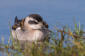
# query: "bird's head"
[35,21]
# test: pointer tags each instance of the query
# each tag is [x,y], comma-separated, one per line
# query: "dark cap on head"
[37,17]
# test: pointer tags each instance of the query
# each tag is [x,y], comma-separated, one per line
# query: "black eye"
[32,22]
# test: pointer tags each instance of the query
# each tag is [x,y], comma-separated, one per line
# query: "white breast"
[38,35]
[32,36]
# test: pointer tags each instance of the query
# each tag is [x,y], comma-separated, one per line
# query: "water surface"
[52,11]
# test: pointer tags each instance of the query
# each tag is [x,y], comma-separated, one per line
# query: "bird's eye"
[32,22]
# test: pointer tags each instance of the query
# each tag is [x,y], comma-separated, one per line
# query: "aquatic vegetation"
[63,42]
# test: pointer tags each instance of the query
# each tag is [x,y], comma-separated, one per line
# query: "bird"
[31,29]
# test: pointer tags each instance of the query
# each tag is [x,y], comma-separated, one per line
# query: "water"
[52,11]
